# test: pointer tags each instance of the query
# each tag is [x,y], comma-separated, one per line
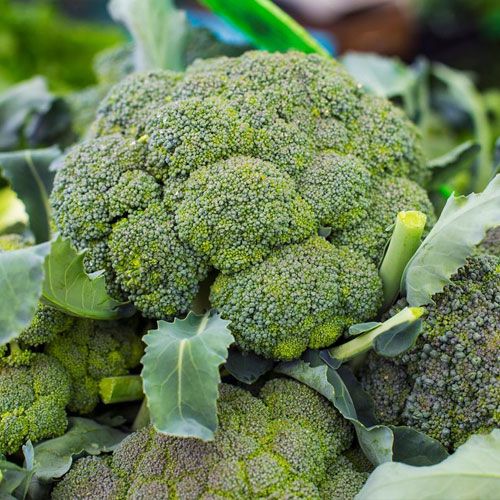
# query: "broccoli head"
[302,296]
[265,447]
[225,167]
[447,385]
[92,350]
[33,399]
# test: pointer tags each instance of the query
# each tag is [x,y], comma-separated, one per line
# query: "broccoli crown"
[91,350]
[46,324]
[224,166]
[265,447]
[32,401]
[491,243]
[301,296]
[447,386]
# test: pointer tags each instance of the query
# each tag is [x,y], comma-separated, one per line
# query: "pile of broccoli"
[224,171]
[265,447]
[447,385]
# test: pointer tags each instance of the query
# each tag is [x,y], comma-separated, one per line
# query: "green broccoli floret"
[32,402]
[92,350]
[450,379]
[390,196]
[224,165]
[10,242]
[491,243]
[239,210]
[265,447]
[302,296]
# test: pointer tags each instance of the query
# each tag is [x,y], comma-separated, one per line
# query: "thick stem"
[364,342]
[142,418]
[404,242]
[121,389]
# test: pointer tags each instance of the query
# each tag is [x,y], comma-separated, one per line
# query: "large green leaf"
[247,367]
[181,374]
[53,458]
[159,31]
[30,177]
[462,225]
[21,279]
[472,472]
[265,24]
[68,287]
[380,443]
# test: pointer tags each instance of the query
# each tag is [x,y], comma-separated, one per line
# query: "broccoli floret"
[291,454]
[301,296]
[237,211]
[450,378]
[390,196]
[491,243]
[92,350]
[46,324]
[224,165]
[32,401]
[10,242]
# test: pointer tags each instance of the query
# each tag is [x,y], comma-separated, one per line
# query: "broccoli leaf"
[12,212]
[450,164]
[462,225]
[15,480]
[380,443]
[159,31]
[31,179]
[21,279]
[265,24]
[247,367]
[360,328]
[181,374]
[473,471]
[53,458]
[68,287]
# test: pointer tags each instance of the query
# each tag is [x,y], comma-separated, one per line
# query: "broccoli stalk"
[364,342]
[120,389]
[404,242]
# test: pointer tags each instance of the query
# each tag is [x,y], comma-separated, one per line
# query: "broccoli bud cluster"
[225,168]
[447,386]
[265,447]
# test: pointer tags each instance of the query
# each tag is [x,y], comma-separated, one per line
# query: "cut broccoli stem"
[404,242]
[142,418]
[121,389]
[364,342]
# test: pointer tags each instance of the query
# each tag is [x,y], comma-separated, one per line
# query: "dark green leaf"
[414,448]
[21,279]
[68,287]
[455,161]
[247,367]
[15,480]
[53,458]
[398,339]
[362,328]
[266,25]
[472,472]
[30,177]
[181,374]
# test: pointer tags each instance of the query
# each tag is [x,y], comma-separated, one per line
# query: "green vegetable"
[472,469]
[265,447]
[158,199]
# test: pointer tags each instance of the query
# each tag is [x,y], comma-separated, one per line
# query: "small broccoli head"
[46,324]
[92,350]
[32,402]
[265,447]
[239,210]
[302,296]
[390,196]
[450,378]
[10,242]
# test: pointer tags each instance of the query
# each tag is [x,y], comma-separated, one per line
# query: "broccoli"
[12,241]
[224,168]
[447,385]
[265,447]
[32,401]
[92,350]
[302,296]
